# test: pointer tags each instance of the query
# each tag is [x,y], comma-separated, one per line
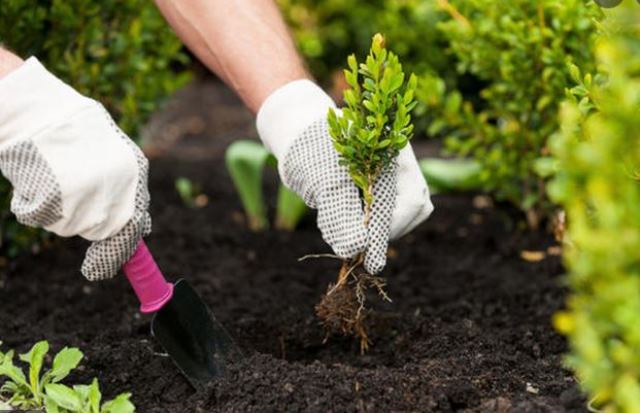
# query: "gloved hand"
[292,125]
[73,171]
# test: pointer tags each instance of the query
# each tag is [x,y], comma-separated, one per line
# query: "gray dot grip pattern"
[37,197]
[384,202]
[104,259]
[311,169]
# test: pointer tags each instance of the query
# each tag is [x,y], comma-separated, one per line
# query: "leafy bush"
[597,183]
[328,31]
[37,390]
[120,53]
[518,52]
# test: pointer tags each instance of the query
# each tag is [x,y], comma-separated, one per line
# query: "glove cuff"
[288,111]
[32,99]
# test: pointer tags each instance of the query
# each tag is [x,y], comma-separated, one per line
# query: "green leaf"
[94,396]
[369,105]
[50,405]
[396,82]
[246,161]
[65,361]
[353,63]
[290,209]
[120,404]
[8,369]
[63,396]
[82,390]
[35,358]
[546,166]
[384,143]
[574,71]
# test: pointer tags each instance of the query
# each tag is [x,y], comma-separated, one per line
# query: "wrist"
[32,99]
[8,62]
[288,111]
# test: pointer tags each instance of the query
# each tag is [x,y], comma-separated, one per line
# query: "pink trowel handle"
[147,281]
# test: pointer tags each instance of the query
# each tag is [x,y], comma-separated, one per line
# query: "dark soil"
[468,330]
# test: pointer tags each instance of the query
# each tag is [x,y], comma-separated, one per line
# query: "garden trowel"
[182,322]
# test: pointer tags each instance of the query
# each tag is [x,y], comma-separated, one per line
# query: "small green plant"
[372,129]
[246,161]
[598,184]
[190,193]
[290,209]
[376,123]
[38,390]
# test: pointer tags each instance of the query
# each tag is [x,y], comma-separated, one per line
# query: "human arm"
[8,62]
[247,44]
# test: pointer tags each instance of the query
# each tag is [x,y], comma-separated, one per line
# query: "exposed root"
[309,256]
[343,309]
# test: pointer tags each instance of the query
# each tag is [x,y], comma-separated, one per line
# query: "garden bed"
[468,330]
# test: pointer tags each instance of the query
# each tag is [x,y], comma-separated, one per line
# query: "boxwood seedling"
[372,129]
[38,391]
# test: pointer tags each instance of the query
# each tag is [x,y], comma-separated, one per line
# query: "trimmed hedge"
[517,51]
[598,185]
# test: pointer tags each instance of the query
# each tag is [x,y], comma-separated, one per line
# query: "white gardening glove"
[73,171]
[292,124]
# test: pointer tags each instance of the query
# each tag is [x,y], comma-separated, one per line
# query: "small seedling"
[290,209]
[374,126]
[45,391]
[246,161]
[191,193]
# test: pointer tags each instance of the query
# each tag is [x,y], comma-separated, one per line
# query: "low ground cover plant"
[372,129]
[43,389]
[598,184]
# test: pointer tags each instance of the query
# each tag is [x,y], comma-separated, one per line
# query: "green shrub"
[328,31]
[517,52]
[119,52]
[598,185]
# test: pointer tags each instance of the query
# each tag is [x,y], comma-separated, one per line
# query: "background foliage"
[518,52]
[329,31]
[491,78]
[597,184]
[119,52]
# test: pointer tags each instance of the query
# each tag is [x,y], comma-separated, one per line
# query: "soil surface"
[468,330]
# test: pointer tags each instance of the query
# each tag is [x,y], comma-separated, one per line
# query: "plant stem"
[454,13]
[368,197]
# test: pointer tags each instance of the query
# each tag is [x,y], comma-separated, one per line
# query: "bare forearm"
[8,62]
[245,42]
